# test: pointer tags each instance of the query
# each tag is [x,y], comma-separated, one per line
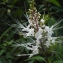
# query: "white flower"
[53,39]
[48,44]
[49,31]
[37,42]
[31,47]
[35,51]
[31,32]
[44,33]
[38,34]
[26,28]
[50,41]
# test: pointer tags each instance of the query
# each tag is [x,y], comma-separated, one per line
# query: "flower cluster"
[37,29]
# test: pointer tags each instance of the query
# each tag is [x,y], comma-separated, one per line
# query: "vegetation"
[14,16]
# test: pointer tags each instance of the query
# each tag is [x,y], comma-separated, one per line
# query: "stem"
[42,47]
[46,6]
[33,3]
[36,23]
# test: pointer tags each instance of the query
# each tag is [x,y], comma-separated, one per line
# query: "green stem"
[42,48]
[46,6]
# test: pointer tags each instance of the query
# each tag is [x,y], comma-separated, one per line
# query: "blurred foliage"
[10,11]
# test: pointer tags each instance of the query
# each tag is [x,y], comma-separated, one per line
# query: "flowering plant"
[42,33]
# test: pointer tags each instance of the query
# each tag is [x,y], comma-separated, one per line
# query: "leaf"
[2,51]
[58,52]
[38,58]
[58,61]
[3,59]
[0,62]
[59,48]
[14,1]
[51,21]
[5,32]
[31,61]
[41,6]
[54,2]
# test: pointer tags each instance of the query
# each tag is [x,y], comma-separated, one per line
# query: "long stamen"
[57,23]
[57,28]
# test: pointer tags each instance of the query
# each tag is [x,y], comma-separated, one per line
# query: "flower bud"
[42,21]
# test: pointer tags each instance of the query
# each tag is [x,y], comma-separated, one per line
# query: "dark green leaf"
[0,62]
[54,2]
[58,61]
[31,61]
[2,51]
[5,32]
[51,21]
[38,58]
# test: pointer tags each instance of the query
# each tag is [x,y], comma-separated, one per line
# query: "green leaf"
[38,58]
[15,1]
[2,51]
[0,62]
[31,61]
[54,2]
[59,48]
[5,32]
[58,61]
[51,21]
